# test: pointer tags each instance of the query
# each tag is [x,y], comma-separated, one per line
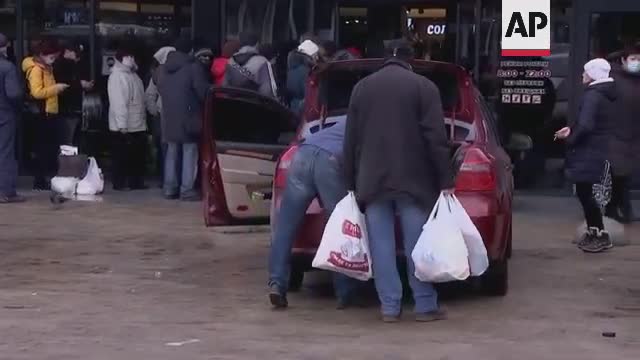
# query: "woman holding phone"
[588,142]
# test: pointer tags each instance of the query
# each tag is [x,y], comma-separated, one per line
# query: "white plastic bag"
[441,255]
[344,247]
[64,185]
[93,182]
[478,260]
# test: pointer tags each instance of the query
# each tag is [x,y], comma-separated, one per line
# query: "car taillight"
[476,172]
[283,167]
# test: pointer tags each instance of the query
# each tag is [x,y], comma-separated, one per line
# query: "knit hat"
[204,52]
[162,54]
[598,69]
[4,41]
[308,48]
[48,47]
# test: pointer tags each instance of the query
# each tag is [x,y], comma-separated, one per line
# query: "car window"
[336,87]
[244,120]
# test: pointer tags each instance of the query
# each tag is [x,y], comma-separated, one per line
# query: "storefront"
[466,32]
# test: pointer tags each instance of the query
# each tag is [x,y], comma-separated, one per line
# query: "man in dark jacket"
[11,92]
[626,131]
[397,161]
[248,69]
[183,85]
[70,69]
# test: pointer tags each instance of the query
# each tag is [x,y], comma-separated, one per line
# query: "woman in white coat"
[127,123]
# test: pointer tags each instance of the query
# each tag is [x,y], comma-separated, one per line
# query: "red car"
[484,182]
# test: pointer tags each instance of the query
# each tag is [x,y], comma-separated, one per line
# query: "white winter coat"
[126,100]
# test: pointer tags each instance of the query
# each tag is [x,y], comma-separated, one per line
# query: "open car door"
[244,133]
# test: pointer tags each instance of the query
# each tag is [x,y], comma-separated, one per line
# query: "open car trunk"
[244,134]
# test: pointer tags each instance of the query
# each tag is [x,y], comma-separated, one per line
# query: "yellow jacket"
[41,83]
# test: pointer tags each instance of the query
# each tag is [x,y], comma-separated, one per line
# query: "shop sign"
[435,29]
[524,82]
[526,28]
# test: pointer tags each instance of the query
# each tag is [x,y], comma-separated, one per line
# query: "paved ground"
[134,277]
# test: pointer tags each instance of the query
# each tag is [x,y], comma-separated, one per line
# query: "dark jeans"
[313,172]
[620,204]
[47,147]
[8,163]
[592,213]
[69,128]
[129,159]
[160,148]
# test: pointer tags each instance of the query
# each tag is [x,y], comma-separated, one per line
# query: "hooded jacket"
[41,84]
[589,142]
[300,66]
[625,149]
[183,86]
[126,100]
[247,69]
[10,90]
[153,100]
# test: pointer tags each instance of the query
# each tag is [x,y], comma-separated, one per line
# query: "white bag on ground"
[478,260]
[64,185]
[93,182]
[344,247]
[440,254]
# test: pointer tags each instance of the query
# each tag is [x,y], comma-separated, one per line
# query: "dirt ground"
[138,277]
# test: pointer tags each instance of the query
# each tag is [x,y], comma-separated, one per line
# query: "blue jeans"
[380,226]
[180,169]
[313,172]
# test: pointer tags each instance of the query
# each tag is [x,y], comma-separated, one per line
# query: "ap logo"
[526,27]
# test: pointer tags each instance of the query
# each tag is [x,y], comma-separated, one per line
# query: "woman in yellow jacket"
[43,98]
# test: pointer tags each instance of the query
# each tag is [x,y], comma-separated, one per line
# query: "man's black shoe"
[277,298]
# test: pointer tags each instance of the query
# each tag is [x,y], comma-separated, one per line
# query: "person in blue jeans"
[396,160]
[316,171]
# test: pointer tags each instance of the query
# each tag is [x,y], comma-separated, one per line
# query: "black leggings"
[592,212]
[47,148]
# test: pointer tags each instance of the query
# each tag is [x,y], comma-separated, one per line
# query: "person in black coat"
[624,145]
[11,94]
[588,153]
[396,160]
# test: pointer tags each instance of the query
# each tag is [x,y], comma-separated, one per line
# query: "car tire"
[495,282]
[296,278]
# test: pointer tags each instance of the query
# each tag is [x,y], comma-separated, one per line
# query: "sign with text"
[526,27]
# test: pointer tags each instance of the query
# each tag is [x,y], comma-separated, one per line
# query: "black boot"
[591,243]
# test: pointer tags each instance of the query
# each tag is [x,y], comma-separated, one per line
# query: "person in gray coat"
[247,69]
[183,85]
[11,93]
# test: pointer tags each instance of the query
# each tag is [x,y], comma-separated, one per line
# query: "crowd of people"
[168,106]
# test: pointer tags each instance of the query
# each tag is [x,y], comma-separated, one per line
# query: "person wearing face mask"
[69,69]
[127,123]
[626,131]
[588,149]
[10,98]
[43,101]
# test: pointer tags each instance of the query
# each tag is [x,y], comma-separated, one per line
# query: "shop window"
[612,32]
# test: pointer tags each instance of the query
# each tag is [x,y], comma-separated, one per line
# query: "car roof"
[375,63]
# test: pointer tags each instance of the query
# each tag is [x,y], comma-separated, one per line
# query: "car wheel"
[296,277]
[495,282]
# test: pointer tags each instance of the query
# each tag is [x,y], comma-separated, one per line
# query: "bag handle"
[449,199]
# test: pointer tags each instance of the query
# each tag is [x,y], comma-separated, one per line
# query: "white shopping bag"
[93,182]
[64,185]
[478,260]
[440,254]
[345,247]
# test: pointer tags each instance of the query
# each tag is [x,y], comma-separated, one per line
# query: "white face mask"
[129,62]
[633,66]
[49,59]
